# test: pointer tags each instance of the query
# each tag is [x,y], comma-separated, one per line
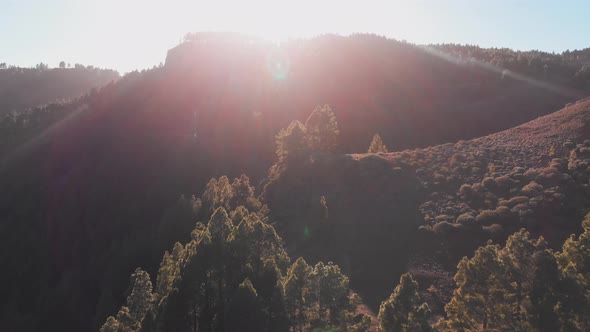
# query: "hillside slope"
[94,183]
[23,88]
[459,194]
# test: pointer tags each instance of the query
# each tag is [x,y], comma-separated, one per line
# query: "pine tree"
[518,258]
[573,160]
[403,310]
[478,302]
[139,302]
[243,195]
[169,267]
[333,288]
[323,208]
[377,145]
[545,286]
[176,224]
[244,313]
[235,275]
[111,325]
[292,143]
[300,296]
[218,193]
[574,265]
[322,130]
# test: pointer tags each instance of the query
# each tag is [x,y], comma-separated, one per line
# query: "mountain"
[102,184]
[423,209]
[23,88]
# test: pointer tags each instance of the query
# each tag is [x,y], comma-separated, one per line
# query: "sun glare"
[136,34]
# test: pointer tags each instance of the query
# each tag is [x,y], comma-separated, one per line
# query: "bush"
[531,174]
[504,182]
[501,215]
[523,210]
[532,189]
[505,216]
[569,145]
[466,191]
[560,164]
[443,217]
[489,183]
[494,230]
[514,201]
[487,217]
[467,221]
[443,228]
[549,176]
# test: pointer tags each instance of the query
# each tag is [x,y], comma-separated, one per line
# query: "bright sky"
[135,34]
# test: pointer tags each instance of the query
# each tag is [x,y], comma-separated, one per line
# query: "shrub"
[531,174]
[523,211]
[505,216]
[486,217]
[532,189]
[443,217]
[569,145]
[467,192]
[504,182]
[494,230]
[465,218]
[501,215]
[443,227]
[467,221]
[518,170]
[515,201]
[489,183]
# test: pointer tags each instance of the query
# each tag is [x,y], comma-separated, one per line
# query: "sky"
[136,34]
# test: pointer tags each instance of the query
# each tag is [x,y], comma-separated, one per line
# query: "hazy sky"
[135,34]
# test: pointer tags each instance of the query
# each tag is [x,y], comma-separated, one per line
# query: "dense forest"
[341,201]
[23,88]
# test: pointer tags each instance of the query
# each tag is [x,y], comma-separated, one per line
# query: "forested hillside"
[101,185]
[23,88]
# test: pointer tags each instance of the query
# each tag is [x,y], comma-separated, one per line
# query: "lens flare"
[278,65]
[306,231]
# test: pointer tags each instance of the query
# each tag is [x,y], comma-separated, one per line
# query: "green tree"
[244,312]
[572,160]
[169,268]
[519,258]
[377,145]
[478,302]
[139,302]
[544,294]
[235,275]
[111,325]
[292,143]
[323,208]
[176,224]
[300,296]
[574,265]
[403,310]
[42,66]
[333,288]
[218,193]
[322,129]
[221,193]
[243,194]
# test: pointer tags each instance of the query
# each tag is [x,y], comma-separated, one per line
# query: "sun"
[136,34]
